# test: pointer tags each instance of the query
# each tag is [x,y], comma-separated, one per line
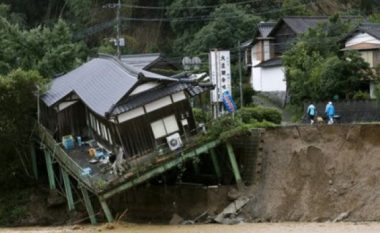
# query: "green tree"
[316,69]
[229,24]
[48,50]
[18,91]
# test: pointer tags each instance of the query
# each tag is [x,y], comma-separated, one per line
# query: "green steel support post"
[87,203]
[234,165]
[196,167]
[50,170]
[68,191]
[106,209]
[161,169]
[215,162]
[34,161]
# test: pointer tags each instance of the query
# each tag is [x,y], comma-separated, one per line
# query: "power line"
[185,7]
[205,17]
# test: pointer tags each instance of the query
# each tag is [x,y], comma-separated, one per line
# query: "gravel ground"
[211,228]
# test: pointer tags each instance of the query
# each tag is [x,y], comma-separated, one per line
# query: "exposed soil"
[309,173]
[319,173]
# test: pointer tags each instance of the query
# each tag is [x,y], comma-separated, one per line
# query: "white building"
[366,40]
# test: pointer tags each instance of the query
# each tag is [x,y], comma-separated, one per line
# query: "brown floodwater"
[365,227]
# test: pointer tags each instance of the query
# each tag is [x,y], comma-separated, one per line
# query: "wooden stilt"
[234,165]
[87,203]
[50,170]
[68,191]
[215,162]
[106,209]
[34,161]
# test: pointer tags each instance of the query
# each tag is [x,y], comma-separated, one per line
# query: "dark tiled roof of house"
[265,28]
[99,83]
[246,44]
[371,28]
[270,63]
[262,32]
[300,24]
[161,91]
[140,60]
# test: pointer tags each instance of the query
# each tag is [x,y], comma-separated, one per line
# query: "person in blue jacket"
[330,112]
[311,113]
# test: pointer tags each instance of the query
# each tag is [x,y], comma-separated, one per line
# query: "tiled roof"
[140,60]
[371,28]
[262,32]
[270,63]
[265,28]
[100,83]
[300,24]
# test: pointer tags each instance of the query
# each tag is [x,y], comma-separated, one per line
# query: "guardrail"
[91,182]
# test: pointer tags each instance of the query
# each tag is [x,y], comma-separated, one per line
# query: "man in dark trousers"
[311,113]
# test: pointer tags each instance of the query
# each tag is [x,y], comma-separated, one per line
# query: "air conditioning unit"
[174,141]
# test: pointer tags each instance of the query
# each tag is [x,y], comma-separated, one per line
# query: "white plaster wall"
[273,79]
[362,38]
[256,78]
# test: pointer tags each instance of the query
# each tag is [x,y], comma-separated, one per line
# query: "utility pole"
[118,53]
[118,6]
[240,76]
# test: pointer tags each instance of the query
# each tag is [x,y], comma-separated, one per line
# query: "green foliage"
[235,132]
[377,92]
[248,92]
[223,124]
[230,24]
[185,8]
[229,126]
[295,111]
[201,116]
[293,7]
[18,109]
[361,95]
[13,207]
[258,114]
[47,50]
[316,69]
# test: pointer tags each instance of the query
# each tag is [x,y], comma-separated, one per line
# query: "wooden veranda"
[101,186]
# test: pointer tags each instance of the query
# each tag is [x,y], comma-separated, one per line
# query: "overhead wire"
[186,7]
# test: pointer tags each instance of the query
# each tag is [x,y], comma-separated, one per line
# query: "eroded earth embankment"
[318,173]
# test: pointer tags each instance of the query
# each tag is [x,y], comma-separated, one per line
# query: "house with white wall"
[366,40]
[263,52]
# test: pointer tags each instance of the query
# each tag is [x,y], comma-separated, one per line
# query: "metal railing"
[94,183]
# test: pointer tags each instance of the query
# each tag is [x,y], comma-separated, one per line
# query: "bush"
[361,95]
[201,116]
[223,124]
[238,131]
[271,115]
[251,114]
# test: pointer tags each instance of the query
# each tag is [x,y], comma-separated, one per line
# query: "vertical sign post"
[220,71]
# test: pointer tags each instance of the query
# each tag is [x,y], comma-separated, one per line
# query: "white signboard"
[220,72]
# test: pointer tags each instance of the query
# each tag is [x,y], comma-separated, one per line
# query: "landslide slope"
[316,173]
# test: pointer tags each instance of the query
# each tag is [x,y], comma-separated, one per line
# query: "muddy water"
[211,228]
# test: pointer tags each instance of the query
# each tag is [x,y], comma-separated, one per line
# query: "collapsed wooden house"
[117,108]
[119,104]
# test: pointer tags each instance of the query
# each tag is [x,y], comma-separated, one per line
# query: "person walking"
[311,113]
[330,112]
